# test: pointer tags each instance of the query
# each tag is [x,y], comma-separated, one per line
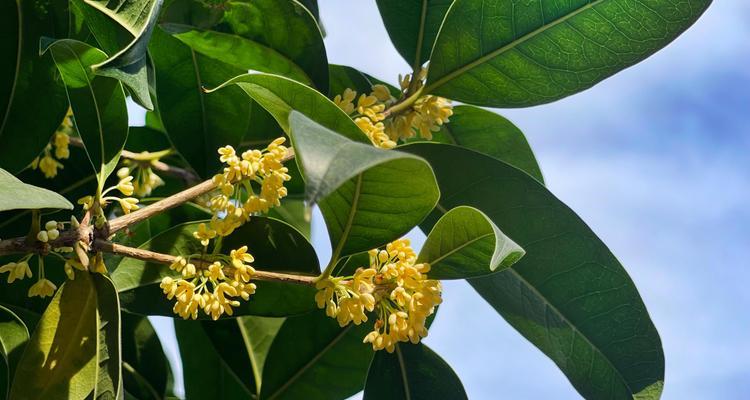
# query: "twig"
[186,175]
[151,256]
[175,200]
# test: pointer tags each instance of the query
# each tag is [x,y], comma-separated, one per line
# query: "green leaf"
[488,133]
[98,103]
[206,374]
[412,372]
[295,213]
[499,53]
[133,15]
[285,26]
[32,100]
[197,123]
[146,371]
[281,95]
[237,51]
[413,26]
[130,65]
[465,243]
[275,245]
[568,295]
[313,358]
[13,336]
[59,361]
[109,359]
[17,195]
[258,334]
[229,345]
[368,196]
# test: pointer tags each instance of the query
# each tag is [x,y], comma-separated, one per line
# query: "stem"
[403,105]
[186,175]
[151,256]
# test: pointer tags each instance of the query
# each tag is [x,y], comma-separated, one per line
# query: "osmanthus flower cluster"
[251,182]
[212,283]
[144,179]
[394,286]
[385,126]
[48,164]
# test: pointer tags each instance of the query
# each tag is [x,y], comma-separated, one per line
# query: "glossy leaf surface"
[499,53]
[465,243]
[568,295]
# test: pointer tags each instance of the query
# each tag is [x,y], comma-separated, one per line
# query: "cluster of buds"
[20,269]
[60,141]
[250,183]
[212,286]
[395,286]
[424,116]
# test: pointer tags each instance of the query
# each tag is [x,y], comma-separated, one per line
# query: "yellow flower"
[344,101]
[125,186]
[394,286]
[128,204]
[49,166]
[17,270]
[43,288]
[381,92]
[61,142]
[204,234]
[87,202]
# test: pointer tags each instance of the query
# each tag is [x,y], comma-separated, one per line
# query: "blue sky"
[656,161]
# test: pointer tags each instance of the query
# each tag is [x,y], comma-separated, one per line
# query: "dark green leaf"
[138,281]
[488,133]
[231,348]
[109,359]
[413,26]
[131,65]
[465,243]
[280,96]
[368,196]
[197,123]
[412,372]
[13,336]
[98,103]
[32,100]
[285,26]
[206,374]
[313,358]
[145,367]
[258,333]
[237,51]
[295,213]
[568,295]
[59,361]
[16,195]
[500,53]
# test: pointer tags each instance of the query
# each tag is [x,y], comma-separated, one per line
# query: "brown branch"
[68,238]
[151,256]
[170,202]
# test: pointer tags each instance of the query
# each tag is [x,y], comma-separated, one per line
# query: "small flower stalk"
[394,286]
[371,112]
[212,286]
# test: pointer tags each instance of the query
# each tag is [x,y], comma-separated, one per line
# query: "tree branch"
[151,256]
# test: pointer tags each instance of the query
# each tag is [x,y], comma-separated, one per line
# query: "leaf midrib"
[430,88]
[575,329]
[311,362]
[420,39]
[404,379]
[199,81]
[458,248]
